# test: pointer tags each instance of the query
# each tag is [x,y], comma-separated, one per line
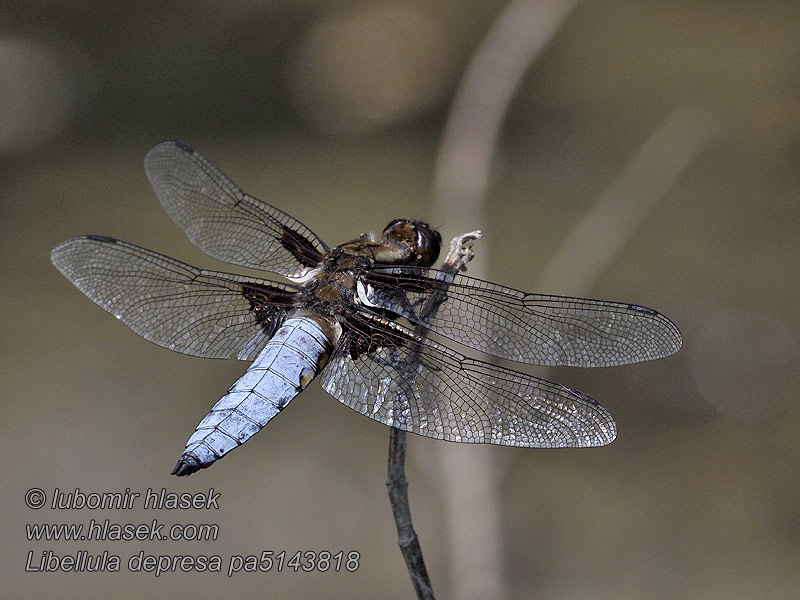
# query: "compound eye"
[422,242]
[429,244]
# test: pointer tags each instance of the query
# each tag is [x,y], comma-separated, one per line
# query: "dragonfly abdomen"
[287,364]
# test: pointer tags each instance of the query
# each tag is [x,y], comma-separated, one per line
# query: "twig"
[407,539]
[397,485]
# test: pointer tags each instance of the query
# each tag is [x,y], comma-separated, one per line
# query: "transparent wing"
[530,328]
[179,307]
[433,391]
[223,221]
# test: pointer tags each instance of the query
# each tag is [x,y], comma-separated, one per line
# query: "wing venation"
[225,222]
[433,391]
[188,310]
[530,328]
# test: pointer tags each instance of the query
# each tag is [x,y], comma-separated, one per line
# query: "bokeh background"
[646,151]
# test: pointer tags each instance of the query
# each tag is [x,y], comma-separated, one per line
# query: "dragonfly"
[360,316]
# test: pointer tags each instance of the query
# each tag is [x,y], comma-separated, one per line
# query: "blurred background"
[644,151]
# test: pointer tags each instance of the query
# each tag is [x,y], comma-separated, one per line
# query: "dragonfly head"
[421,239]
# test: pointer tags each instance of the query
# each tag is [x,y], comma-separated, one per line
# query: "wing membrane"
[430,390]
[530,328]
[223,221]
[179,307]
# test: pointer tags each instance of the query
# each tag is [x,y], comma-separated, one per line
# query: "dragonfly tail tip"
[187,464]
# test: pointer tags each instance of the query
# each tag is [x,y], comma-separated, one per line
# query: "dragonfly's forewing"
[530,328]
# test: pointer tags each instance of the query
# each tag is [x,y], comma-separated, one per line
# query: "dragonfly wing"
[225,222]
[431,390]
[170,303]
[530,328]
